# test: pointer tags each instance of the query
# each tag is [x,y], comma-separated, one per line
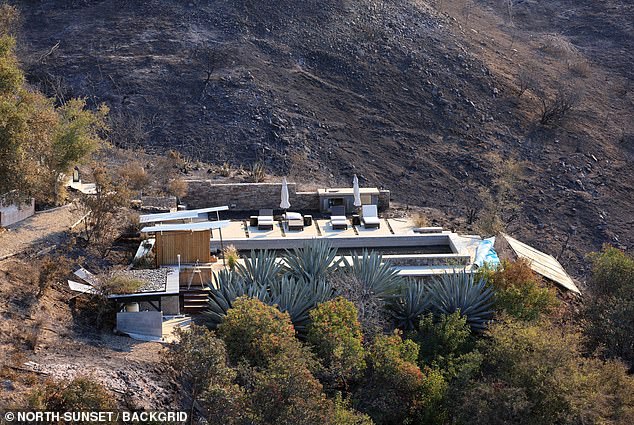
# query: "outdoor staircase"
[194,299]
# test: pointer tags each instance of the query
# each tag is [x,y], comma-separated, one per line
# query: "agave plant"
[460,292]
[378,277]
[228,286]
[261,268]
[413,301]
[312,262]
[297,297]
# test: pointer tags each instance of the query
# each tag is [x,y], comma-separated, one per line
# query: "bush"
[231,256]
[396,391]
[255,332]
[420,220]
[200,362]
[447,345]
[535,374]
[609,310]
[80,394]
[135,175]
[120,284]
[520,292]
[336,338]
[177,187]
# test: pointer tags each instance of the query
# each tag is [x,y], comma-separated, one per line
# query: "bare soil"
[411,95]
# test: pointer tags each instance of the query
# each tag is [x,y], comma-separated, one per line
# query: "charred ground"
[411,95]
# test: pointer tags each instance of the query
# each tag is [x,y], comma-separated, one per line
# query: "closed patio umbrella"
[356,191]
[284,204]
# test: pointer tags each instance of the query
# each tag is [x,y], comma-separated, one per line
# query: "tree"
[609,310]
[447,345]
[335,336]
[102,210]
[273,365]
[520,292]
[39,143]
[535,374]
[200,362]
[396,391]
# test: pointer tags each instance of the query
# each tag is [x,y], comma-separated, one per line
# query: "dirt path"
[43,227]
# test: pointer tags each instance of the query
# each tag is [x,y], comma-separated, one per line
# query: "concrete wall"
[148,323]
[246,196]
[11,214]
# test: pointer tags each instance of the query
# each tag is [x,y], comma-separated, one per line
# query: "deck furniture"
[308,220]
[294,221]
[356,220]
[338,218]
[266,220]
[370,216]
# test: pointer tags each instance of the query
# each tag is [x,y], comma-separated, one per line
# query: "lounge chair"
[370,216]
[265,220]
[294,221]
[338,217]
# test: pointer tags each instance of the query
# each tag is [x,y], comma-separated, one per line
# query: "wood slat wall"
[192,247]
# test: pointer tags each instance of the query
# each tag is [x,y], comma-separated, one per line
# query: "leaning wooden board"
[542,263]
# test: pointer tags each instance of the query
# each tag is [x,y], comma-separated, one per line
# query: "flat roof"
[186,227]
[347,191]
[179,215]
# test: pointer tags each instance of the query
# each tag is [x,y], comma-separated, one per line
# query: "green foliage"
[314,261]
[79,394]
[612,273]
[609,310]
[228,286]
[200,361]
[460,292]
[255,332]
[335,336]
[345,415]
[397,391]
[535,374]
[447,345]
[39,143]
[519,291]
[11,77]
[261,268]
[120,284]
[376,276]
[287,393]
[231,256]
[296,297]
[413,301]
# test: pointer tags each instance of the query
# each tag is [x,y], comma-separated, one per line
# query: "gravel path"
[44,227]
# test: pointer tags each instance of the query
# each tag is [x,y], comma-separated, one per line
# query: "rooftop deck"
[416,254]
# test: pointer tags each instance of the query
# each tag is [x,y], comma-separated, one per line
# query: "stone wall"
[246,196]
[255,196]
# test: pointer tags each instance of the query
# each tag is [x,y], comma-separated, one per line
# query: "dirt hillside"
[418,97]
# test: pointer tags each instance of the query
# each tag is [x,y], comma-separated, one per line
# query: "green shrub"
[396,391]
[609,309]
[534,374]
[200,362]
[120,284]
[79,394]
[335,336]
[231,256]
[447,345]
[256,333]
[520,292]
